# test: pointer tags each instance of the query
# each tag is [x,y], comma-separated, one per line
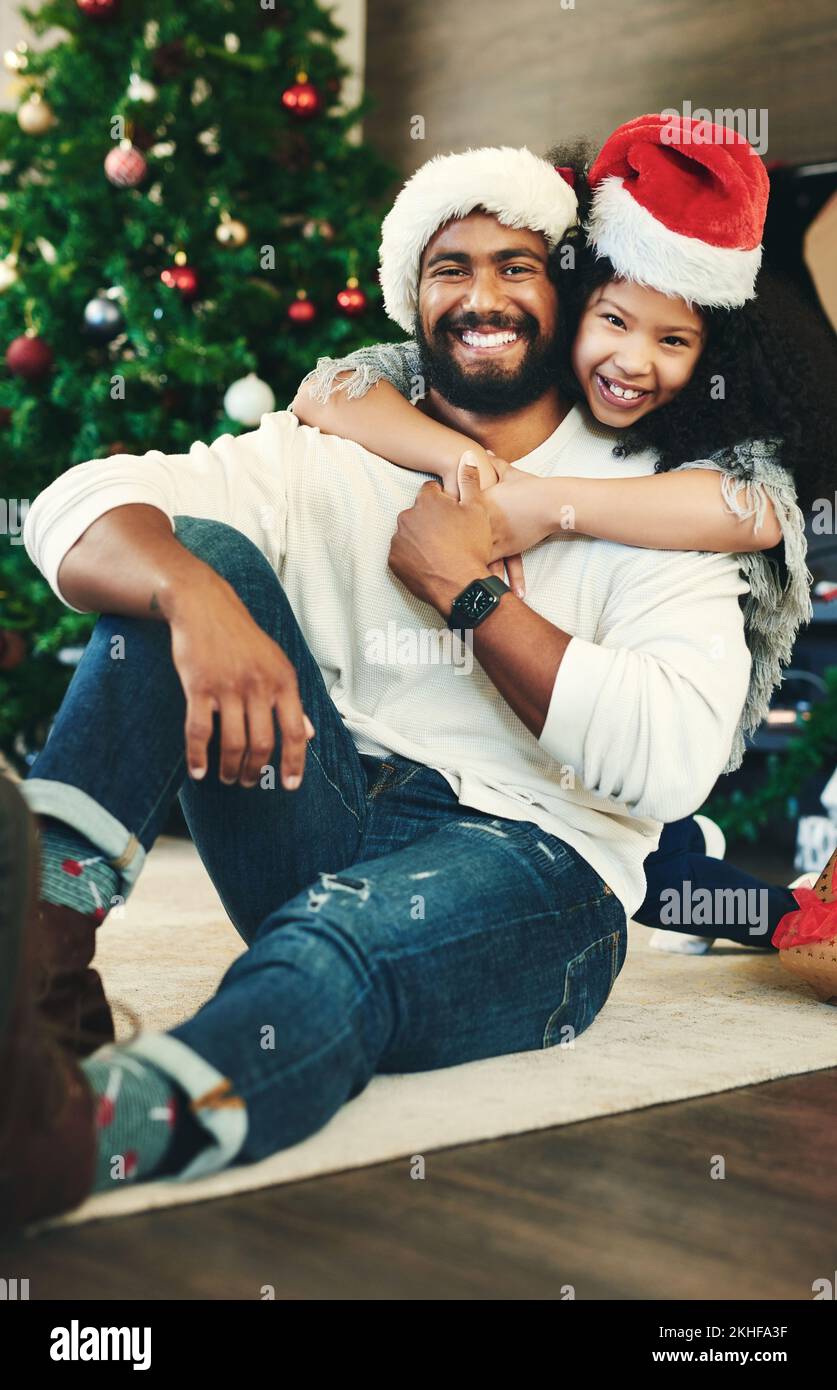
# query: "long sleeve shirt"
[647,697]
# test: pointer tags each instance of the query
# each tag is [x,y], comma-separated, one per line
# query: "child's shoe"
[681,943]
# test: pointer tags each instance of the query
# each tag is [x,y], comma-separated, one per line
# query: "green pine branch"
[812,751]
[161,384]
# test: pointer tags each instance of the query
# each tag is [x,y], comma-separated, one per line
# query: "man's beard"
[488,389]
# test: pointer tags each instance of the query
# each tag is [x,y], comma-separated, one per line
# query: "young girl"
[735,401]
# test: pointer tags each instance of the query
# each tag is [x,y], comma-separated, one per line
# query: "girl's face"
[634,350]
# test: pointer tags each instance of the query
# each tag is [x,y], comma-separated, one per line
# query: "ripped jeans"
[390,928]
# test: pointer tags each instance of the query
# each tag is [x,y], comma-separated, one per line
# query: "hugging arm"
[385,423]
[646,713]
[681,510]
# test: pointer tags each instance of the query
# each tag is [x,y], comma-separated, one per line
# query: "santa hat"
[515,186]
[679,205]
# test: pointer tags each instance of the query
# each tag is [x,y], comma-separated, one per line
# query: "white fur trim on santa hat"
[642,249]
[515,186]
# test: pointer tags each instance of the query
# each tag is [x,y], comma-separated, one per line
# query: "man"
[447,875]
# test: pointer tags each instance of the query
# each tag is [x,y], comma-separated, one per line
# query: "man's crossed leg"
[390,928]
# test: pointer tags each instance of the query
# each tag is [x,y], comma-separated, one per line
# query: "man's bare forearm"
[130,561]
[520,651]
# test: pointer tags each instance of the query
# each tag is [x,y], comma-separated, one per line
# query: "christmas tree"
[186,224]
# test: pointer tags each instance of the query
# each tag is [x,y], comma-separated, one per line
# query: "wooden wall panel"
[529,72]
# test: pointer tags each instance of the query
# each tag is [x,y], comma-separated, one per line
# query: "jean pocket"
[588,980]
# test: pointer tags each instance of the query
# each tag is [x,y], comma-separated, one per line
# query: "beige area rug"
[674,1027]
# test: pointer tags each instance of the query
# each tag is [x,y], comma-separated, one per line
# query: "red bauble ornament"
[12,648]
[302,99]
[29,357]
[170,59]
[98,9]
[125,166]
[351,300]
[181,277]
[172,399]
[302,310]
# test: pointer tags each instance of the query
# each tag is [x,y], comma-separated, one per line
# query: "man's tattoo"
[154,605]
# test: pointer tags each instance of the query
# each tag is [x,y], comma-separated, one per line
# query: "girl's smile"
[634,350]
[620,394]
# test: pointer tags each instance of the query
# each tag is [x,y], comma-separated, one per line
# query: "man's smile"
[486,342]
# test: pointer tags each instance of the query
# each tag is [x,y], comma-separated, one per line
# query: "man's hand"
[491,470]
[226,662]
[441,544]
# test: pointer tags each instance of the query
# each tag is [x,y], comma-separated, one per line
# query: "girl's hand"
[519,517]
[491,469]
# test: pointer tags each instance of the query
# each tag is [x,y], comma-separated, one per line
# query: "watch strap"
[497,585]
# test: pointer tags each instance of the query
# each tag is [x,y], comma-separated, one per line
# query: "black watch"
[474,604]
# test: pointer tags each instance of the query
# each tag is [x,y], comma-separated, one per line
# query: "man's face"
[487,315]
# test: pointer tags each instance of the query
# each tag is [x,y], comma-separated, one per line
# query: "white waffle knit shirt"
[646,700]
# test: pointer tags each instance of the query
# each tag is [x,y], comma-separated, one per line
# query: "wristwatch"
[473,605]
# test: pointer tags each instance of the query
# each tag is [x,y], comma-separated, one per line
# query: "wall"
[532,72]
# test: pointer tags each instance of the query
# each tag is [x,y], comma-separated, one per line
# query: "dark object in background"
[797,193]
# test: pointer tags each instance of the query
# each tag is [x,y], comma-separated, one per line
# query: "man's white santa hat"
[679,205]
[515,186]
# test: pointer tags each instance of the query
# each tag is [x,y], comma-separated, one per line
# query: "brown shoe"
[47,1109]
[70,993]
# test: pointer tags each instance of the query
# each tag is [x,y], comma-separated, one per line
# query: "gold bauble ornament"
[231,232]
[35,116]
[318,227]
[17,59]
[8,274]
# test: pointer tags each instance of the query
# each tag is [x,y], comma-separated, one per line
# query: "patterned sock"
[144,1124]
[74,873]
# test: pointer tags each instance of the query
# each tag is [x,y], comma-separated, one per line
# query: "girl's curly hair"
[776,357]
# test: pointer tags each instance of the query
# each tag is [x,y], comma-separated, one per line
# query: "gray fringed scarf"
[773,613]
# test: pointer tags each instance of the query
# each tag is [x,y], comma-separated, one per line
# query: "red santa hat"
[515,186]
[679,205]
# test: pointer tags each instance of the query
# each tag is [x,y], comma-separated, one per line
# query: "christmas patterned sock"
[143,1121]
[74,873]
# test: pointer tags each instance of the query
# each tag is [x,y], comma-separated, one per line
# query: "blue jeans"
[390,929]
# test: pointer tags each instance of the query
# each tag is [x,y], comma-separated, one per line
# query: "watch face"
[475,601]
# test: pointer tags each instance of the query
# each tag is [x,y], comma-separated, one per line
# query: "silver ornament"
[103,319]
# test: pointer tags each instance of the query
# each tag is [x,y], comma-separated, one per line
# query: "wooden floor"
[622,1207]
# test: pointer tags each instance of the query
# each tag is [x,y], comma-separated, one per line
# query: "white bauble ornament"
[141,90]
[248,399]
[35,116]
